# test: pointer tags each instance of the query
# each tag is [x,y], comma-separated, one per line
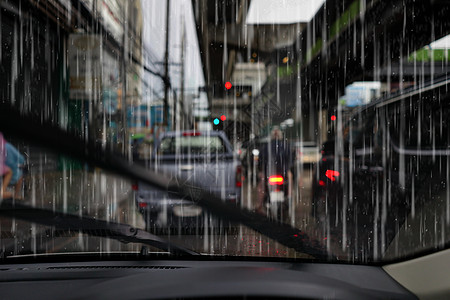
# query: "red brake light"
[239,177]
[332,174]
[191,133]
[276,180]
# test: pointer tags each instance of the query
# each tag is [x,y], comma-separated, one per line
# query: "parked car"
[204,158]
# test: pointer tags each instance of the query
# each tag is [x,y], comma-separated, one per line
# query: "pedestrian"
[15,160]
[5,171]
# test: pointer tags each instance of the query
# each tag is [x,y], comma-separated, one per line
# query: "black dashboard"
[188,279]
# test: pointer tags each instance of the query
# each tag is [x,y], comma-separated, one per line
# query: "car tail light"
[134,186]
[239,177]
[332,174]
[191,133]
[276,180]
[142,205]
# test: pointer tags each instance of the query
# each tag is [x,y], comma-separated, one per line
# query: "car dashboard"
[189,279]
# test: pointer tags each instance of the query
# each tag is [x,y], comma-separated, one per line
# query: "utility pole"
[124,79]
[181,104]
[166,69]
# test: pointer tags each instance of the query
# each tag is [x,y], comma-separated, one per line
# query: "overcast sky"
[282,11]
[154,14]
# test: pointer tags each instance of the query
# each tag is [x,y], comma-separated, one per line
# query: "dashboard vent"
[115,267]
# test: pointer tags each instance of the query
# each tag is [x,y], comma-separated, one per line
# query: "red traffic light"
[223,118]
[333,118]
[228,85]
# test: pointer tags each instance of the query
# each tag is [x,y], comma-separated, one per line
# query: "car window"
[192,145]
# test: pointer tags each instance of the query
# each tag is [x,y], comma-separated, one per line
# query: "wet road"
[108,197]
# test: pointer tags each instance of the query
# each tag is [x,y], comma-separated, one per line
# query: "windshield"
[330,118]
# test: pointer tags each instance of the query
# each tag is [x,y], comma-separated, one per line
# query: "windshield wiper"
[93,227]
[47,134]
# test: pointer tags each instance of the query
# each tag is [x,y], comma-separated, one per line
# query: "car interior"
[145,132]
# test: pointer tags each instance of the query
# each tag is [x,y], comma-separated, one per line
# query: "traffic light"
[217,121]
[228,85]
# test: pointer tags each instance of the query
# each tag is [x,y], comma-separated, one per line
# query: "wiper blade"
[51,136]
[93,227]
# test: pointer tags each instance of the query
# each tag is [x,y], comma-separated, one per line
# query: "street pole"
[182,115]
[124,81]
[166,69]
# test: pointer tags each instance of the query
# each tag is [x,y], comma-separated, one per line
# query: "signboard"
[138,117]
[145,116]
[360,93]
[355,96]
[84,66]
[111,84]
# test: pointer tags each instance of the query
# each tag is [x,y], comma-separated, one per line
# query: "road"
[96,194]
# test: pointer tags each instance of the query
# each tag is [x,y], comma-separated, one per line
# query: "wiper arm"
[93,227]
[49,135]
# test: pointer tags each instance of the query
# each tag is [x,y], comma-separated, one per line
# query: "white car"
[306,152]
